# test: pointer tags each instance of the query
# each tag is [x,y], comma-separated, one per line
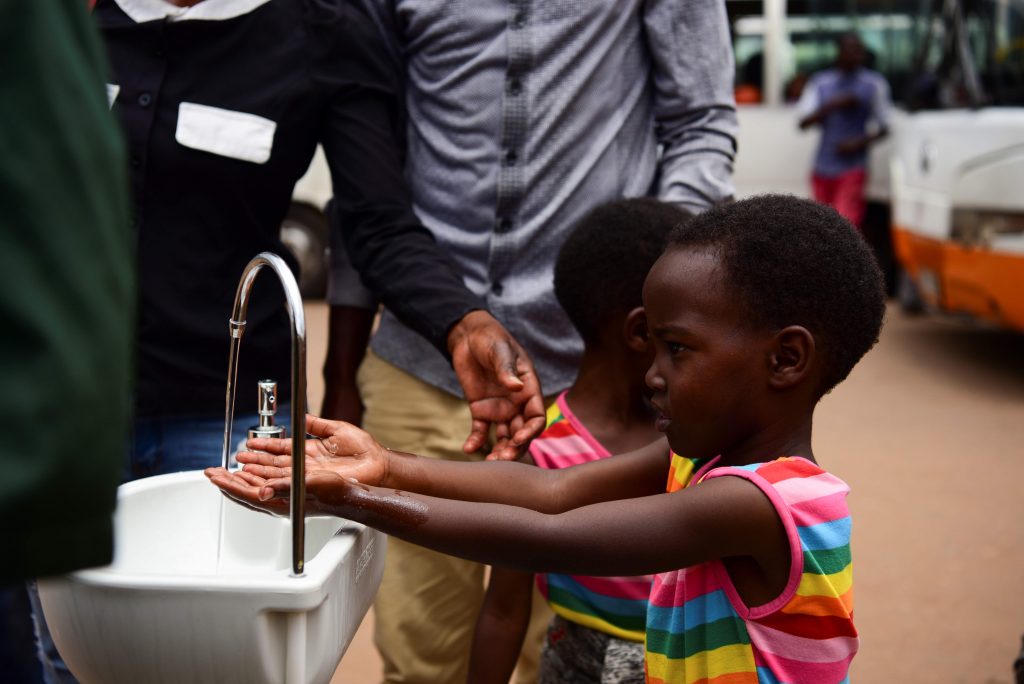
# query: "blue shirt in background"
[873,104]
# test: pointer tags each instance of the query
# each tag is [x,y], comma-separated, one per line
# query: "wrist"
[464,327]
[387,478]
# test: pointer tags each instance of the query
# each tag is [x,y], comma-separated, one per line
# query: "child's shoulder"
[796,480]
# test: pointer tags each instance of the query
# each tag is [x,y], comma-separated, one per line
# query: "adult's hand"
[500,384]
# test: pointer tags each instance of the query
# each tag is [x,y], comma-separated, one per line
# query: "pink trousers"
[844,193]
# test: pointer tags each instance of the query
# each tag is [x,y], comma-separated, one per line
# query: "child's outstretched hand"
[327,493]
[332,447]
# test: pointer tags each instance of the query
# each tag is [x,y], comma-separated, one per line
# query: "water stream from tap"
[229,419]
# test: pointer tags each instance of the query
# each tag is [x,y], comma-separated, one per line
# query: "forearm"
[812,119]
[499,482]
[639,473]
[402,265]
[348,334]
[396,256]
[501,627]
[600,540]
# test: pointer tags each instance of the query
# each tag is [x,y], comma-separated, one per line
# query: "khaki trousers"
[426,608]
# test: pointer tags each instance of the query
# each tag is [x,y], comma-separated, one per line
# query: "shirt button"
[515,87]
[497,289]
[135,161]
[511,158]
[519,20]
[145,99]
[504,224]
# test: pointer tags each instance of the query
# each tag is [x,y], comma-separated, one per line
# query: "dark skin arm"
[860,142]
[722,518]
[501,627]
[839,102]
[495,372]
[362,137]
[517,519]
[345,451]
[349,332]
[853,145]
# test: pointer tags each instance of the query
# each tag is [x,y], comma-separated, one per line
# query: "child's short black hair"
[602,265]
[796,262]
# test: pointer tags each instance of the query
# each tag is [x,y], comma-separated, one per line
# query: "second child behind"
[597,633]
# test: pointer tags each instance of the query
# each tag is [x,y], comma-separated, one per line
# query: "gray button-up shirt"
[525,114]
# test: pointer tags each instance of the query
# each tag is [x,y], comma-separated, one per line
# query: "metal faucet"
[293,302]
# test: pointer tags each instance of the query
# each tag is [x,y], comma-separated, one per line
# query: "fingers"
[264,459]
[533,415]
[271,445]
[266,472]
[477,436]
[251,478]
[504,363]
[246,490]
[322,427]
[531,428]
[503,451]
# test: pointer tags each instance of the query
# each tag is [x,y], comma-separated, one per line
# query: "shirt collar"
[209,10]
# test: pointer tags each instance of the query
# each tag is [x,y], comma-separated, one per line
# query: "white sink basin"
[183,602]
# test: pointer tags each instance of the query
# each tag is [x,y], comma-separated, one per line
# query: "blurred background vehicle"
[958,165]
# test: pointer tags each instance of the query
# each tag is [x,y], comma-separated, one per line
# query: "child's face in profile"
[709,371]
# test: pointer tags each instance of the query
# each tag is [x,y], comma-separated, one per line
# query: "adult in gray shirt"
[522,116]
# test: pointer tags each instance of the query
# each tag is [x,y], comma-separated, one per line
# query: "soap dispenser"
[267,410]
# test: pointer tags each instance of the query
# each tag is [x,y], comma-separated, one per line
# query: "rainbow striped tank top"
[613,605]
[699,630]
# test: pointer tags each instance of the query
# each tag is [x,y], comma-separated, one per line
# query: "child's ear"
[792,357]
[635,330]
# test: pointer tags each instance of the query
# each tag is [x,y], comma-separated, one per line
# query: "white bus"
[958,164]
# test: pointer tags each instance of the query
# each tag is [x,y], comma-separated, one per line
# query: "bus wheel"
[304,232]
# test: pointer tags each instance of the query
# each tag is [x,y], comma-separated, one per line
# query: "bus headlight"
[980,228]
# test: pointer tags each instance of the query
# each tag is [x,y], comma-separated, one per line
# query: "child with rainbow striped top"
[597,633]
[756,309]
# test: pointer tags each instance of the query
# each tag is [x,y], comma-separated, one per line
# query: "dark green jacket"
[66,300]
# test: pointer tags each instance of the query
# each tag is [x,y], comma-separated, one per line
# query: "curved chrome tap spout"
[293,302]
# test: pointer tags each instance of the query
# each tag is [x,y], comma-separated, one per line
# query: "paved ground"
[929,432]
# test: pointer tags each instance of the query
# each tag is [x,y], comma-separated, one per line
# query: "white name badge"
[221,131]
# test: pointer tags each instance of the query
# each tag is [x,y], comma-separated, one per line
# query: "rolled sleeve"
[695,111]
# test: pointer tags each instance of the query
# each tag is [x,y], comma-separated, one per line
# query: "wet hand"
[500,384]
[332,447]
[327,493]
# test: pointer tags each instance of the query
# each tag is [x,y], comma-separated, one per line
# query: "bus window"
[985,67]
[809,30]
